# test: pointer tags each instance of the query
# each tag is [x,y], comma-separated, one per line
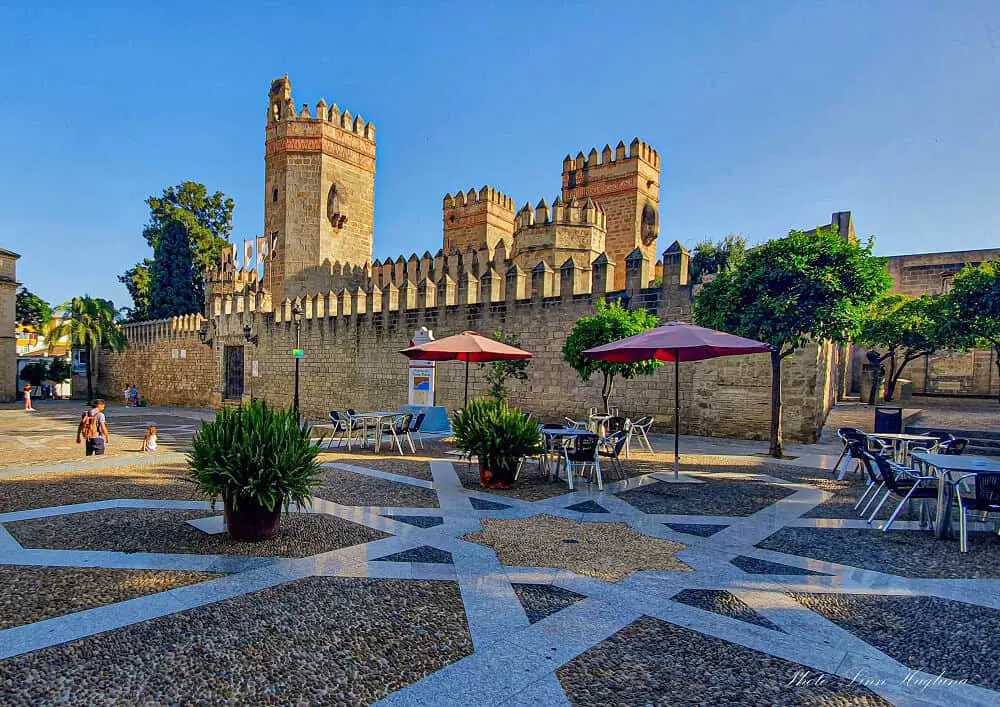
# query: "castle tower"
[627,186]
[554,234]
[319,191]
[474,219]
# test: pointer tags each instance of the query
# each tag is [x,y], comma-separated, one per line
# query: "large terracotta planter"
[493,479]
[252,522]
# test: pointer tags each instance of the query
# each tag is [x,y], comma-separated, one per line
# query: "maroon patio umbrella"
[467,346]
[676,341]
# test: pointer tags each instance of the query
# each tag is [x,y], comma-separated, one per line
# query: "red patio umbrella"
[467,346]
[676,341]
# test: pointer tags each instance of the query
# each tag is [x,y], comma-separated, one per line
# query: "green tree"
[30,309]
[903,329]
[59,371]
[611,323]
[974,306]
[498,373]
[90,322]
[805,287]
[137,280]
[187,230]
[34,373]
[173,290]
[709,257]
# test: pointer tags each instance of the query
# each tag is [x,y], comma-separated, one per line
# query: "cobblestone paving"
[720,592]
[320,639]
[36,593]
[652,662]
[154,530]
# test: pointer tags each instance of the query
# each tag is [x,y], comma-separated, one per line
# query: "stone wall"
[167,362]
[351,359]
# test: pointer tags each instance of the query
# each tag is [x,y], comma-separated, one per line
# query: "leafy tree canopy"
[974,304]
[31,310]
[807,286]
[611,323]
[709,257]
[138,281]
[904,329]
[187,230]
[498,373]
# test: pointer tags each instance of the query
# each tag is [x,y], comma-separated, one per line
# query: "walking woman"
[27,398]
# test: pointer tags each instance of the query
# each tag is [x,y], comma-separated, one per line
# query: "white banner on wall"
[421,376]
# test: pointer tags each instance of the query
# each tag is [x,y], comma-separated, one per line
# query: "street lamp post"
[297,318]
[250,338]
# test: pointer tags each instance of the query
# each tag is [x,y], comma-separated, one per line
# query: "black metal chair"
[340,426]
[581,454]
[986,500]
[847,436]
[617,424]
[611,448]
[903,482]
[418,422]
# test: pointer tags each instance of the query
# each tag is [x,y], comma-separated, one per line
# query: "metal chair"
[640,430]
[986,500]
[903,482]
[847,434]
[575,424]
[398,428]
[874,484]
[418,422]
[611,448]
[581,454]
[953,447]
[340,428]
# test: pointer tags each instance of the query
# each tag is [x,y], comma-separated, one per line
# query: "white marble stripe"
[384,475]
[134,560]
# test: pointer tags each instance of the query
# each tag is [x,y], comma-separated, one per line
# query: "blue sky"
[767,115]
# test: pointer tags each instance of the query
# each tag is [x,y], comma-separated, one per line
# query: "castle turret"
[475,219]
[554,234]
[319,194]
[627,186]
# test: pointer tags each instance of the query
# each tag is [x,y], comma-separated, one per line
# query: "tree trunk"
[90,375]
[606,389]
[776,441]
[896,373]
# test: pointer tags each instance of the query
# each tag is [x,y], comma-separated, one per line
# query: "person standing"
[93,429]
[27,398]
[134,394]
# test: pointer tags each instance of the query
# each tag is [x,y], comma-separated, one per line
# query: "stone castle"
[533,271]
[319,208]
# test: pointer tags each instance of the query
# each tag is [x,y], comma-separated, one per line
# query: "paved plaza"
[749,582]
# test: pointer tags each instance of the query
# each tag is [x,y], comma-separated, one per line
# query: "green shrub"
[254,454]
[497,434]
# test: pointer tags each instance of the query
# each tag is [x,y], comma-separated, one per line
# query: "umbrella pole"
[677,413]
[466,382]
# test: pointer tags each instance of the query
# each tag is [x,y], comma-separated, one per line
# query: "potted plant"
[258,459]
[499,436]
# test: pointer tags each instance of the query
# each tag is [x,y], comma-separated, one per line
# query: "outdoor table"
[900,442]
[376,418]
[945,464]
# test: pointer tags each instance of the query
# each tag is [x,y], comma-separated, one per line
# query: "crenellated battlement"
[476,219]
[158,329]
[472,197]
[576,212]
[281,109]
[637,149]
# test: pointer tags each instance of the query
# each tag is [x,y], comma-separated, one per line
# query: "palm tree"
[90,322]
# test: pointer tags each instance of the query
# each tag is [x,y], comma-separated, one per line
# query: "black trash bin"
[888,420]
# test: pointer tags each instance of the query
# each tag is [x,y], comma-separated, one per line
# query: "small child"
[149,441]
